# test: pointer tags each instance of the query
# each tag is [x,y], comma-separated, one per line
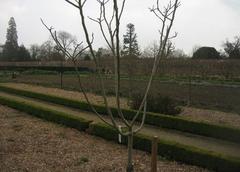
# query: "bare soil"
[211,96]
[74,95]
[211,116]
[196,114]
[31,144]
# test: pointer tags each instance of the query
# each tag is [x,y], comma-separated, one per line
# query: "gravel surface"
[210,116]
[95,99]
[31,144]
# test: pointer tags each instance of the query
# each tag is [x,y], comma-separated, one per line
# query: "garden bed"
[196,114]
[31,144]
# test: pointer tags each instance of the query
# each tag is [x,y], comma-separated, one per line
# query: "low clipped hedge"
[200,128]
[172,151]
[47,114]
[167,149]
[165,121]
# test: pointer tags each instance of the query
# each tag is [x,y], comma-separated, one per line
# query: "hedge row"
[167,149]
[165,121]
[173,151]
[48,114]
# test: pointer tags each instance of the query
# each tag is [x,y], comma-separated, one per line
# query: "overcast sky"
[198,22]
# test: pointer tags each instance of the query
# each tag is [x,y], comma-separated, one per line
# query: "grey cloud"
[202,22]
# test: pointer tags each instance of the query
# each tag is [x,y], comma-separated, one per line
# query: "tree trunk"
[130,148]
[190,85]
[61,74]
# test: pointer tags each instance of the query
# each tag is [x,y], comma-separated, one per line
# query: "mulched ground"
[31,144]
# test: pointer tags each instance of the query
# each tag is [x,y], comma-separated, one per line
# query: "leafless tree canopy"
[233,48]
[109,25]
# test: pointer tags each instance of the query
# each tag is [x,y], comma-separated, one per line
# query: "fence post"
[154,154]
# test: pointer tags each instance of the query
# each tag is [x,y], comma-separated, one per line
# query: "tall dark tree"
[10,49]
[130,44]
[1,50]
[233,48]
[206,53]
[23,54]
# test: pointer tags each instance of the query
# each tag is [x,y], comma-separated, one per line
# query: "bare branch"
[86,97]
[143,118]
[84,2]
[71,3]
[81,12]
[73,57]
[122,9]
[162,47]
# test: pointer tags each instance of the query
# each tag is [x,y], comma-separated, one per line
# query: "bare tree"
[111,36]
[151,50]
[179,53]
[233,48]
[67,41]
[35,51]
[47,50]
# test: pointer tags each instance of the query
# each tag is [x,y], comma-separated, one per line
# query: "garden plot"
[195,114]
[31,144]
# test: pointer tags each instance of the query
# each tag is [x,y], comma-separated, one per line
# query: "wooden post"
[154,154]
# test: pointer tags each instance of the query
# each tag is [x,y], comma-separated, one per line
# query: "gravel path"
[31,144]
[210,116]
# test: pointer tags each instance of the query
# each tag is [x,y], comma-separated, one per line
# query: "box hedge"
[172,150]
[165,121]
[47,114]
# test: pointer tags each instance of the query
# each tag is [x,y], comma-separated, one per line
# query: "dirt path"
[31,144]
[206,143]
[195,114]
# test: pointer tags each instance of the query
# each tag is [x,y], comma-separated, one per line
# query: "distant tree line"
[231,51]
[48,50]
[206,53]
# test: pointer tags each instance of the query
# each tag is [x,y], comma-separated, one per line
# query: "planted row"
[165,121]
[47,114]
[170,150]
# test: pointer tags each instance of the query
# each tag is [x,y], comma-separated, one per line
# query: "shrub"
[206,53]
[157,103]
